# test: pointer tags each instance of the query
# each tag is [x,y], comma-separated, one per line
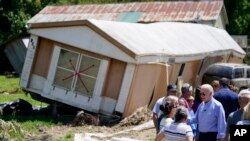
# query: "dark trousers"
[207,136]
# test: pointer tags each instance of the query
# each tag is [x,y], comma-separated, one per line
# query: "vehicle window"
[220,71]
[238,72]
[248,73]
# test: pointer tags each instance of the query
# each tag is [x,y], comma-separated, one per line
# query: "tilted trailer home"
[107,66]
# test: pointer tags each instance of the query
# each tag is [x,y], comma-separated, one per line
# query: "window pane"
[239,73]
[63,79]
[248,73]
[88,69]
[67,59]
[220,71]
[89,66]
[86,86]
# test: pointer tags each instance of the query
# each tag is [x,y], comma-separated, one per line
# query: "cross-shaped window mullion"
[76,74]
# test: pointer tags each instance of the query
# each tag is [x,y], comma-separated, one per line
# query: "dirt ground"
[131,127]
[59,132]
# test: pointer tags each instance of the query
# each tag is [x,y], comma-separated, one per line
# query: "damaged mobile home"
[106,66]
[116,67]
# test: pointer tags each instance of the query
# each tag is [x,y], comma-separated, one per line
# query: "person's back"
[171,90]
[228,98]
[177,130]
[167,111]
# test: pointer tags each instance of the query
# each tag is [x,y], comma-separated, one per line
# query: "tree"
[239,16]
[15,13]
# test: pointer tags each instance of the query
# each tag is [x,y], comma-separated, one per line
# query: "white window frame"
[72,97]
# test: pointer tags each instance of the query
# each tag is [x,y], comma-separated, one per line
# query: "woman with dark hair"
[167,108]
[177,130]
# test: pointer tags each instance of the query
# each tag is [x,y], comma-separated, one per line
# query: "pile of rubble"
[141,115]
[84,118]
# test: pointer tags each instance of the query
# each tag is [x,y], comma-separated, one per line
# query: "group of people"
[206,116]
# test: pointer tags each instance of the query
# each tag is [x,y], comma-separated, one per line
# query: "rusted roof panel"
[151,11]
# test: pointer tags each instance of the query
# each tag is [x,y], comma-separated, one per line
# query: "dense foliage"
[238,12]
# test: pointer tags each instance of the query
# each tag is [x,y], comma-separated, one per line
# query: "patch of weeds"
[69,136]
[9,129]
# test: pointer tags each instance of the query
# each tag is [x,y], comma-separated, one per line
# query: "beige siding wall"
[174,70]
[114,79]
[190,72]
[149,83]
[43,56]
[234,59]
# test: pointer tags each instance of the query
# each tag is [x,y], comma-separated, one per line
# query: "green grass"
[8,84]
[69,136]
[29,125]
[22,95]
[10,91]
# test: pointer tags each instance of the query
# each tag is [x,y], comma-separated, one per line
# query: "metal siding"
[16,52]
[13,55]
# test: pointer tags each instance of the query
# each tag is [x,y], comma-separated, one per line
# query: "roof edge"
[84,23]
[166,58]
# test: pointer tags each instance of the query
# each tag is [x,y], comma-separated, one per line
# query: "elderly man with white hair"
[234,117]
[210,116]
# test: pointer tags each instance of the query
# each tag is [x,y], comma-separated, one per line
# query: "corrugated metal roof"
[133,12]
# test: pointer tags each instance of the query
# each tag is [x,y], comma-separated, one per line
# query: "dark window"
[182,69]
[239,73]
[248,73]
[220,71]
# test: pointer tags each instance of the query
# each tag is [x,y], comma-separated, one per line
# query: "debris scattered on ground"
[19,107]
[7,128]
[102,136]
[85,118]
[11,74]
[125,130]
[13,91]
[140,116]
[123,139]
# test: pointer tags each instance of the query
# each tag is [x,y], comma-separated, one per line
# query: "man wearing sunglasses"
[210,116]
